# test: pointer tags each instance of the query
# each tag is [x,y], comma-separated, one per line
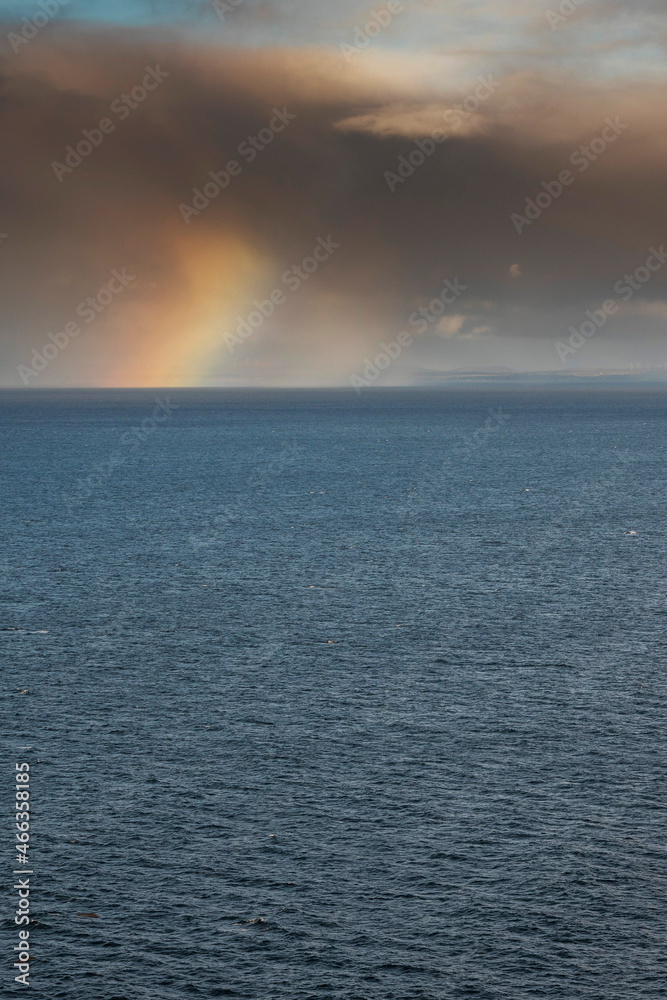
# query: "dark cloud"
[325,173]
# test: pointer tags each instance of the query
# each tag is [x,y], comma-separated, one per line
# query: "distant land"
[499,373]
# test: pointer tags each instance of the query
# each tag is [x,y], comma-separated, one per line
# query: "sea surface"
[329,695]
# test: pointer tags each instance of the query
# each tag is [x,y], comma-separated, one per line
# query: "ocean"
[338,695]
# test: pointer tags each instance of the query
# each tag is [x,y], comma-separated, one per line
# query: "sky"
[297,192]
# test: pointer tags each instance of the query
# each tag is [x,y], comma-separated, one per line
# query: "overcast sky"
[517,95]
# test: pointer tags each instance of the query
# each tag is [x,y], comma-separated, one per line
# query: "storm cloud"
[418,161]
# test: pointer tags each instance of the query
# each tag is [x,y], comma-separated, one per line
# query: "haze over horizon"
[343,219]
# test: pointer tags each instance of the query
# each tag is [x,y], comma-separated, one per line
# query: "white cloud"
[449,326]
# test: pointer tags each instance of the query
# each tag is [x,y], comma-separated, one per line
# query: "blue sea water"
[338,696]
